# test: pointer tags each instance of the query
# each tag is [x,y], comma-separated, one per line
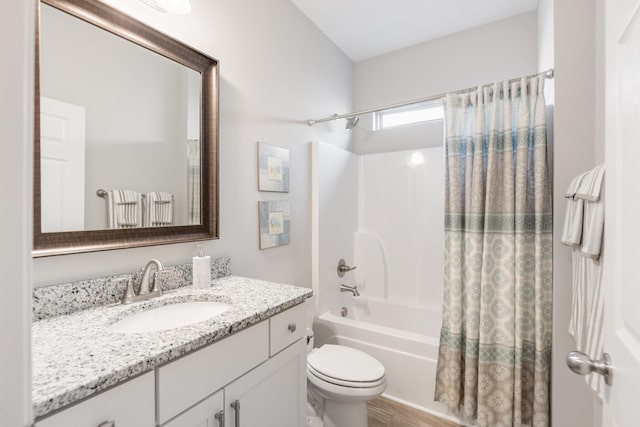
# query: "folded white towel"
[574,185]
[158,209]
[590,190]
[591,184]
[584,229]
[581,280]
[584,218]
[592,228]
[587,311]
[572,230]
[594,343]
[124,209]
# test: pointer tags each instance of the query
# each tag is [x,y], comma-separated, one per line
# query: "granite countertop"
[75,356]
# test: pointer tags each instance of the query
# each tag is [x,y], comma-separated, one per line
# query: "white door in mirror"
[62,146]
[169,317]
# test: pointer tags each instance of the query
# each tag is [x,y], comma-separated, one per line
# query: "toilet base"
[340,414]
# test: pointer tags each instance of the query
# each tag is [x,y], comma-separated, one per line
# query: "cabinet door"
[131,404]
[208,413]
[192,378]
[271,395]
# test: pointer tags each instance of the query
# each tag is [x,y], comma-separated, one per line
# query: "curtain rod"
[547,74]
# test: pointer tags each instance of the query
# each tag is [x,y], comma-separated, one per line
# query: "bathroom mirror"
[126,133]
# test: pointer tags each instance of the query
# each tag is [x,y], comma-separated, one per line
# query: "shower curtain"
[495,343]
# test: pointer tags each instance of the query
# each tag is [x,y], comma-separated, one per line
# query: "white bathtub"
[404,338]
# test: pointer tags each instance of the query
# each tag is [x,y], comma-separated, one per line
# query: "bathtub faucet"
[352,289]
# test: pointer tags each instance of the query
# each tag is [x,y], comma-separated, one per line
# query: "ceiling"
[366,28]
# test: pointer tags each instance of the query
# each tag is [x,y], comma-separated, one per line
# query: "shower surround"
[383,213]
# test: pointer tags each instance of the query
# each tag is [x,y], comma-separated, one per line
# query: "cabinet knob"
[107,424]
[292,327]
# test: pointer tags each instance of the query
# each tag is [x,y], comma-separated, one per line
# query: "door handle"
[582,364]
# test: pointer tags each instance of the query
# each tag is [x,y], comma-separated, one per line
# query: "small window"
[409,114]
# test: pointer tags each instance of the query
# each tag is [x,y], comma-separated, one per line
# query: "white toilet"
[341,380]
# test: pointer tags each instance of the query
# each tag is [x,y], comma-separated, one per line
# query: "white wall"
[599,130]
[574,144]
[493,52]
[546,49]
[16,122]
[273,65]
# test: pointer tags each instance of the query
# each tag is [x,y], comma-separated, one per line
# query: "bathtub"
[404,338]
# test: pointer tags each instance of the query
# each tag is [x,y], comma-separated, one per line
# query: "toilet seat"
[345,366]
[343,383]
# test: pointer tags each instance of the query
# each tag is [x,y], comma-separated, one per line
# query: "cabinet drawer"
[287,327]
[192,378]
[131,404]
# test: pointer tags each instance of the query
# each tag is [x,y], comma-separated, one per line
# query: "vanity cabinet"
[131,404]
[254,378]
[258,375]
[271,395]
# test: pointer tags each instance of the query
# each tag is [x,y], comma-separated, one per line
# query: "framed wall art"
[275,223]
[273,168]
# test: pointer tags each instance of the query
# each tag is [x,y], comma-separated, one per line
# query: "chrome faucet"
[352,289]
[144,293]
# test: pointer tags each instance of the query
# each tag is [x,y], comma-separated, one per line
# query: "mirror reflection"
[120,131]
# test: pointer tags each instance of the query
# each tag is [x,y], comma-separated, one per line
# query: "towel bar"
[103,194]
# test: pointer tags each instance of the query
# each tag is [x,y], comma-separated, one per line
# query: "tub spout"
[352,289]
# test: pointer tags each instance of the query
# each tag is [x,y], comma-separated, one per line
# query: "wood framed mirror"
[145,110]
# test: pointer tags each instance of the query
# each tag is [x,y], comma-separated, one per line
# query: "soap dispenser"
[201,270]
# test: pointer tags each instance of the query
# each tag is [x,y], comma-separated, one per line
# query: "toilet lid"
[345,363]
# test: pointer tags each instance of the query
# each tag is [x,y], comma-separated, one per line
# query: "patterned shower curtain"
[495,343]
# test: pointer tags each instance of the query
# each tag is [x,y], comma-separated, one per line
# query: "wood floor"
[387,413]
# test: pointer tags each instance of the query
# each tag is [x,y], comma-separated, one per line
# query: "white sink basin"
[169,317]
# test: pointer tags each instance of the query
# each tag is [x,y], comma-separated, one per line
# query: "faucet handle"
[344,268]
[129,294]
[155,287]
